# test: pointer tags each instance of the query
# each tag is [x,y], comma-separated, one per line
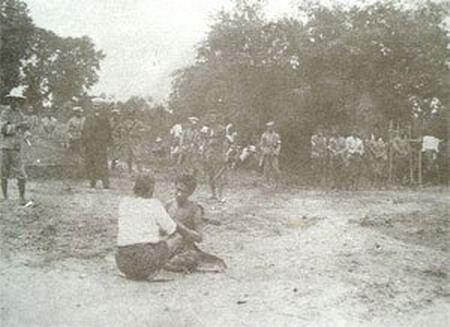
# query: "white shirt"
[430,143]
[143,221]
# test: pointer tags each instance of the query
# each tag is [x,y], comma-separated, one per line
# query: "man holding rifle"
[13,129]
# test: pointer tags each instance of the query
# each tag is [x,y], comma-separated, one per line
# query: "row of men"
[342,160]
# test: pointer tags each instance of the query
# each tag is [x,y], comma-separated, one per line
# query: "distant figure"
[132,134]
[14,129]
[270,145]
[189,158]
[175,134]
[116,132]
[319,156]
[400,155]
[49,124]
[214,157]
[430,156]
[189,214]
[74,131]
[355,151]
[338,159]
[377,157]
[97,138]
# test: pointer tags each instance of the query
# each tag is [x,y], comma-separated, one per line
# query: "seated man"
[189,214]
[147,236]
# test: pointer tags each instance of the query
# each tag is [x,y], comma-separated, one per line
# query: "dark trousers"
[97,166]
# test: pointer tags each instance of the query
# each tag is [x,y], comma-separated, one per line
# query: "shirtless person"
[189,214]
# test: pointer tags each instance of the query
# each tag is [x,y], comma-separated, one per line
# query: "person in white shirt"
[355,151]
[147,236]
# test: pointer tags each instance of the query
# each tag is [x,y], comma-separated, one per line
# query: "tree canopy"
[53,69]
[331,65]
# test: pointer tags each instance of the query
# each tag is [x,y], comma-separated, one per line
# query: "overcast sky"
[144,40]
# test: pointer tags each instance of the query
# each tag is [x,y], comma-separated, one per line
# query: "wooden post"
[390,150]
[419,163]
[411,170]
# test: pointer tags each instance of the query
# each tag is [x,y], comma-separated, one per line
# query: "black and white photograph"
[225,163]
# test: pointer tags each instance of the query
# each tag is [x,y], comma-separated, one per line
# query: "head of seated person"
[185,186]
[144,186]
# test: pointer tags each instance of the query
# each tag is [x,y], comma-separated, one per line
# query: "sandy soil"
[298,257]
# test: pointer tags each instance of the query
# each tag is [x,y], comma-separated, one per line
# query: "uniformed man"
[189,158]
[116,132]
[355,151]
[270,145]
[400,155]
[74,132]
[338,158]
[97,138]
[377,157]
[14,129]
[318,156]
[214,156]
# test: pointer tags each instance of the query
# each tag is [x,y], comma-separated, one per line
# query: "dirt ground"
[297,257]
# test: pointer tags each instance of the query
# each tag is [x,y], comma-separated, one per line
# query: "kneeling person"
[147,236]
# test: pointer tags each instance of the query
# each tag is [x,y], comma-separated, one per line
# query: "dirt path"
[301,258]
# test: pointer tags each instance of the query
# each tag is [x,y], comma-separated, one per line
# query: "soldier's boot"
[21,185]
[5,188]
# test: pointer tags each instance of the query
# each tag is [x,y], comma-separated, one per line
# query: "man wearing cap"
[270,145]
[189,145]
[116,130]
[215,164]
[14,129]
[96,137]
[318,155]
[74,131]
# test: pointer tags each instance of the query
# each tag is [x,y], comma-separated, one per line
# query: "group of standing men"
[342,161]
[213,147]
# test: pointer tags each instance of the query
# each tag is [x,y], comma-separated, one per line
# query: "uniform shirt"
[354,145]
[11,131]
[318,146]
[430,143]
[75,127]
[270,142]
[143,221]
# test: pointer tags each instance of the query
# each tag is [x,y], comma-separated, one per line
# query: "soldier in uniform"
[400,155]
[97,138]
[116,132]
[377,156]
[318,156]
[270,145]
[74,132]
[338,158]
[14,129]
[355,152]
[189,158]
[214,156]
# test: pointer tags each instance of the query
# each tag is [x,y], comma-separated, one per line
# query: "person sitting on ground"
[147,236]
[189,256]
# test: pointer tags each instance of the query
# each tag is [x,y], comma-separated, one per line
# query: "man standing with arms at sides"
[116,132]
[270,145]
[97,138]
[14,129]
[377,151]
[400,155]
[355,151]
[189,144]
[74,131]
[318,156]
[215,157]
[336,147]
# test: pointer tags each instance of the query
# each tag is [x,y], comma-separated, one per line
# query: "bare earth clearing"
[297,258]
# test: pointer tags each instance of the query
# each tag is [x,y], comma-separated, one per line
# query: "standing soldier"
[270,148]
[377,156]
[116,132]
[318,156]
[337,150]
[14,129]
[355,151]
[189,145]
[215,165]
[97,138]
[132,142]
[74,131]
[400,155]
